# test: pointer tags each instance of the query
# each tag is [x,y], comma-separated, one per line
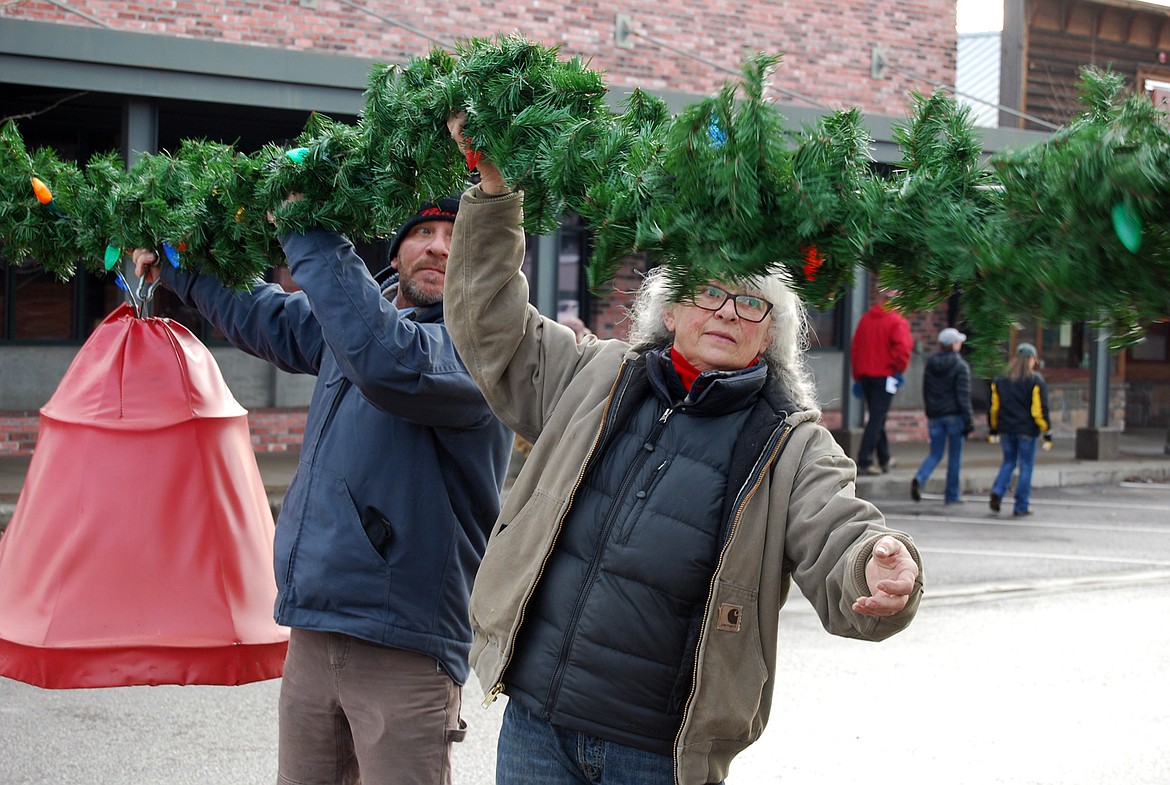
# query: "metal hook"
[122,284]
[146,295]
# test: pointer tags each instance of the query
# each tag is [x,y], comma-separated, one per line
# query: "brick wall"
[18,432]
[273,430]
[277,430]
[906,425]
[826,45]
[609,314]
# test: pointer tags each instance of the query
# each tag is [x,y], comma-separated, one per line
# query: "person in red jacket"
[880,355]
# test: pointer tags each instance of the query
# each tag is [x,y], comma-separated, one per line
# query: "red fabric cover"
[140,549]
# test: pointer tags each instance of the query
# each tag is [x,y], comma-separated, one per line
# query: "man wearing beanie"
[946,396]
[386,519]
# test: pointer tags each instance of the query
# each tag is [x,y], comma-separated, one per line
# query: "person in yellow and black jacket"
[1019,418]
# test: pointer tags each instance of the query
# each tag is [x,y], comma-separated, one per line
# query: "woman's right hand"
[491,182]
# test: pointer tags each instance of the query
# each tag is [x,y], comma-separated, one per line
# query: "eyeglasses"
[750,307]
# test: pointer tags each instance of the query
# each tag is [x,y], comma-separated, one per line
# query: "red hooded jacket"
[881,344]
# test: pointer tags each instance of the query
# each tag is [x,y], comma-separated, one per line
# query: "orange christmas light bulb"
[43,194]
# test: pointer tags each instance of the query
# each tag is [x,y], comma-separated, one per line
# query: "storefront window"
[1154,346]
[573,298]
[38,306]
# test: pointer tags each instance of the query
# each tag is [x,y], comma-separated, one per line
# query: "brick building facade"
[826,45]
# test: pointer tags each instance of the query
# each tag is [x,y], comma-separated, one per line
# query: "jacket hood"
[943,360]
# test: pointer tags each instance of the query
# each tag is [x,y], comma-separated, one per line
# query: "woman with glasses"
[628,600]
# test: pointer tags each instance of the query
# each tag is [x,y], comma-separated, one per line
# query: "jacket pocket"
[378,531]
[732,676]
[333,556]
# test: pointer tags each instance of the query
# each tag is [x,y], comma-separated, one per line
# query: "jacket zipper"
[785,431]
[498,687]
[595,562]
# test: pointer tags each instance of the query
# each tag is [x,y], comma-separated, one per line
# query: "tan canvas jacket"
[801,520]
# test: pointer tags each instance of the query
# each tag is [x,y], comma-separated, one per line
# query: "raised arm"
[521,360]
[409,368]
[266,321]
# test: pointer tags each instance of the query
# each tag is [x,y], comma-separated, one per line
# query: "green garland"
[1076,228]
[1084,229]
[926,226]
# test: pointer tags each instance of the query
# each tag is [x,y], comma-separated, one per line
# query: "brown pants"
[353,711]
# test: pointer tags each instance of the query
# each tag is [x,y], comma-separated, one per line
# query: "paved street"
[1039,657]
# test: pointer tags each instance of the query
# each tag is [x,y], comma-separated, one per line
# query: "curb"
[977,480]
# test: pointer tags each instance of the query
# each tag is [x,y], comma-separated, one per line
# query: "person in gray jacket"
[628,601]
[946,396]
[386,519]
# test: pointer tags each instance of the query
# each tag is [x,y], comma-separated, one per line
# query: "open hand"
[890,573]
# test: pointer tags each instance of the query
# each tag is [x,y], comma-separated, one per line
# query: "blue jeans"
[532,750]
[1017,449]
[944,430]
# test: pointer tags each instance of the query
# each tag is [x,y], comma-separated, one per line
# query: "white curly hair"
[785,357]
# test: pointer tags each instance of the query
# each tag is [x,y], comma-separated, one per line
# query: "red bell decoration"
[140,549]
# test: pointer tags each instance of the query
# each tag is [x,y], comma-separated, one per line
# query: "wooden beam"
[1033,10]
[1013,56]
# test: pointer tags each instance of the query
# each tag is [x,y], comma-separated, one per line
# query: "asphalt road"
[1041,655]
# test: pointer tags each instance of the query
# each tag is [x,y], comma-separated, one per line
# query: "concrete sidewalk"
[1142,458]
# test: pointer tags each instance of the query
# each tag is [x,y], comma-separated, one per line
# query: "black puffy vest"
[608,643]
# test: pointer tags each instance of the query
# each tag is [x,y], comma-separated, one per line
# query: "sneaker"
[870,470]
[1021,513]
[889,465]
[994,501]
[955,501]
[915,490]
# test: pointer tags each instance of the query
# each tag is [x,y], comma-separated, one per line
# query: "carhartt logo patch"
[730,617]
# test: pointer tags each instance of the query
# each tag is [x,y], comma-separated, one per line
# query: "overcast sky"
[980,16]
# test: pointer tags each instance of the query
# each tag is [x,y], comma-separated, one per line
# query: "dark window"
[824,328]
[573,250]
[1154,346]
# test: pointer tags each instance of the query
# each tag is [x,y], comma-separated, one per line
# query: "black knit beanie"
[440,210]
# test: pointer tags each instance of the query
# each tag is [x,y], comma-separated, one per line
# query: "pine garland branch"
[720,192]
[1084,228]
[1076,228]
[364,180]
